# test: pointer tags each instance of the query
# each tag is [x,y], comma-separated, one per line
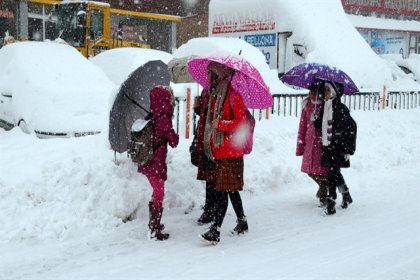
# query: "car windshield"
[72,23]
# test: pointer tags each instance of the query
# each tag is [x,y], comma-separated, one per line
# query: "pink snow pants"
[158,186]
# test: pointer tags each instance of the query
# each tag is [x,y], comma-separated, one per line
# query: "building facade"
[388,26]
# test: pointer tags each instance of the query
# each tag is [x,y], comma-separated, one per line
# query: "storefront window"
[7,19]
[71,23]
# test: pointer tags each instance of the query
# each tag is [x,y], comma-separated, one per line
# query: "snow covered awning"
[385,24]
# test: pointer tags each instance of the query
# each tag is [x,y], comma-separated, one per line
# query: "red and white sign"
[407,7]
[229,23]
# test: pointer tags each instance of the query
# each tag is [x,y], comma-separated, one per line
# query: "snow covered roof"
[320,26]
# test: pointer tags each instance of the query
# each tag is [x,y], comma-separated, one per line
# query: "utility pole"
[22,19]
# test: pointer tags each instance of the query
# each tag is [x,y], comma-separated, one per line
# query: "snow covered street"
[61,210]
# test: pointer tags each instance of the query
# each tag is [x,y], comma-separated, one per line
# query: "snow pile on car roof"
[119,63]
[54,87]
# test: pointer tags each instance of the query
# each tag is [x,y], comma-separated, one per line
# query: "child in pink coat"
[309,145]
[161,112]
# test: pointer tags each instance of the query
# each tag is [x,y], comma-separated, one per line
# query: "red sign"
[232,24]
[407,7]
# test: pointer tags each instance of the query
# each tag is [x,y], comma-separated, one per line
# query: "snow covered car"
[410,66]
[52,90]
[119,63]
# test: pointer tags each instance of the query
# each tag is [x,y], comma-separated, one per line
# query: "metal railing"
[286,104]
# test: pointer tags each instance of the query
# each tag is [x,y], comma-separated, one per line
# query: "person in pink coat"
[161,112]
[309,144]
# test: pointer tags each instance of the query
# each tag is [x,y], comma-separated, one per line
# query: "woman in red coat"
[309,144]
[225,115]
[161,112]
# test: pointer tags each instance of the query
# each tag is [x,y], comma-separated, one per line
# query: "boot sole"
[326,213]
[346,205]
[202,224]
[238,233]
[208,241]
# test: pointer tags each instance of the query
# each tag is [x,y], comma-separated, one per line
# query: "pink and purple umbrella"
[306,74]
[246,79]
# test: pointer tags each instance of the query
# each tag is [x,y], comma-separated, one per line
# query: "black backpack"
[351,137]
[140,146]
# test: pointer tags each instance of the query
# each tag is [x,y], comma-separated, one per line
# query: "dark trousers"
[222,200]
[336,180]
[210,196]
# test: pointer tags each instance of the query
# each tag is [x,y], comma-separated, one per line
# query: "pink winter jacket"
[309,143]
[161,111]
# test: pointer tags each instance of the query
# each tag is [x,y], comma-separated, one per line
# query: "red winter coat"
[161,111]
[309,143]
[232,116]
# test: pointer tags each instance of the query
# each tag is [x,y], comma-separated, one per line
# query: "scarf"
[327,123]
[327,119]
[219,93]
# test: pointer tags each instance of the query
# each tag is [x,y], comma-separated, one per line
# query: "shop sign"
[261,40]
[231,23]
[6,14]
[409,7]
[383,42]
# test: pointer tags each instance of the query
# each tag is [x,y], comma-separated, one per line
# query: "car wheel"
[23,126]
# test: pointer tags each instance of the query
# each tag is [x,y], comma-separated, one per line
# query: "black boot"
[241,227]
[206,217]
[346,200]
[212,236]
[330,209]
[161,226]
[209,206]
[154,225]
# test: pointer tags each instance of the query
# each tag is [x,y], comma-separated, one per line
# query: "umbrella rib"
[135,102]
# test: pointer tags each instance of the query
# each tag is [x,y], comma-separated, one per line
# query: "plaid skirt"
[229,174]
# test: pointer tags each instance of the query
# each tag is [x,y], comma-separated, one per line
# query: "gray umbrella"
[133,101]
[178,70]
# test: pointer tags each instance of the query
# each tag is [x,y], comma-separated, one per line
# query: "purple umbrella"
[306,74]
[246,79]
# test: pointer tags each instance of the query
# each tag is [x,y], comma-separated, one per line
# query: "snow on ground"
[62,200]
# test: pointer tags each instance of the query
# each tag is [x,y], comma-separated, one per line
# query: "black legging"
[210,196]
[336,180]
[222,205]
